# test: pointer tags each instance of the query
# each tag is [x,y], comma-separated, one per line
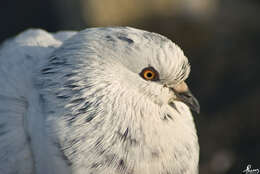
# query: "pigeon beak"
[183,94]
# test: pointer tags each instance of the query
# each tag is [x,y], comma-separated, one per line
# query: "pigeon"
[109,100]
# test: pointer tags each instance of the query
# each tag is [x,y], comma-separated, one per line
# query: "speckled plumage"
[74,103]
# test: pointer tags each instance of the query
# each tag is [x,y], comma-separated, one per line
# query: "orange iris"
[149,74]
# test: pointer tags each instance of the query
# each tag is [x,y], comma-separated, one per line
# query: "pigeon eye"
[149,73]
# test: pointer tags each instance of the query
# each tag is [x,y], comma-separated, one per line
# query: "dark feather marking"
[185,67]
[2,129]
[98,146]
[110,39]
[62,96]
[99,141]
[110,159]
[46,69]
[44,84]
[84,108]
[142,114]
[165,118]
[155,154]
[70,74]
[53,59]
[71,119]
[28,56]
[121,164]
[53,47]
[69,82]
[124,135]
[172,104]
[96,165]
[89,118]
[124,38]
[66,159]
[71,86]
[50,112]
[78,100]
[48,72]
[101,152]
[169,116]
[59,63]
[29,139]
[2,125]
[74,141]
[133,141]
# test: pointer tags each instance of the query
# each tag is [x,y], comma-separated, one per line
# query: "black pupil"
[149,74]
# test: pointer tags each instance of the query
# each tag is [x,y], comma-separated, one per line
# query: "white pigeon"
[99,101]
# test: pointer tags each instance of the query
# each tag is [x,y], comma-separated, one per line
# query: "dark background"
[221,39]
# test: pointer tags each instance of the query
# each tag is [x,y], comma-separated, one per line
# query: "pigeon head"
[119,103]
[137,61]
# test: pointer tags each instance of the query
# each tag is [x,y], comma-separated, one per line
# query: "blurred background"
[220,37]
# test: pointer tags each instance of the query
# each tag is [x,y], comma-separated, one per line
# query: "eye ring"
[150,74]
